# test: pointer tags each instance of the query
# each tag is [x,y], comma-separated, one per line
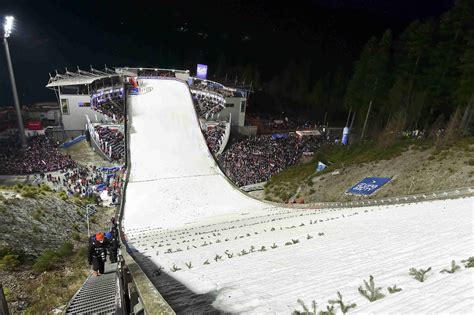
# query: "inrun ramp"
[174,180]
[98,295]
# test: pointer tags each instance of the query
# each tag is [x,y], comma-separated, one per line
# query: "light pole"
[7,28]
[90,210]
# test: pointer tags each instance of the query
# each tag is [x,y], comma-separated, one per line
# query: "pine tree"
[359,88]
[465,90]
[454,31]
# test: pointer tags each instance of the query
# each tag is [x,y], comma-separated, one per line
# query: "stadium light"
[8,27]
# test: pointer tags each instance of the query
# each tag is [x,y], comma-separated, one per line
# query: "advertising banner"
[279,136]
[201,71]
[368,185]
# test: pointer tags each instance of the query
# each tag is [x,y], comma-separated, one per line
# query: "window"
[229,105]
[242,106]
[65,106]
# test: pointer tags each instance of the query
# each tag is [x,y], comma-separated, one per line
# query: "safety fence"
[428,196]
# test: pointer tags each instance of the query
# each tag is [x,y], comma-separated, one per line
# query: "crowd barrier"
[225,138]
[78,139]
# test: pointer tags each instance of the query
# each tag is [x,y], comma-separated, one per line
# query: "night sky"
[53,35]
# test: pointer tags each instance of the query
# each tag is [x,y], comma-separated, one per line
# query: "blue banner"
[134,91]
[109,169]
[100,187]
[368,185]
[67,144]
[279,136]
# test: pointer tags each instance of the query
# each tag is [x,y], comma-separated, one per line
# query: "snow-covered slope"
[251,257]
[174,180]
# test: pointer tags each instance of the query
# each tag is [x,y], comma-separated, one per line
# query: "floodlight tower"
[7,28]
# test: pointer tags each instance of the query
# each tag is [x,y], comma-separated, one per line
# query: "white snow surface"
[181,211]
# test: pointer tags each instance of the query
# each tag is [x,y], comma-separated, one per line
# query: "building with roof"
[73,91]
[78,94]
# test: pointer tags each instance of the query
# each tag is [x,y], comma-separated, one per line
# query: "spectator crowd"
[207,103]
[111,141]
[214,137]
[256,159]
[110,103]
[40,155]
[86,180]
[277,123]
[42,158]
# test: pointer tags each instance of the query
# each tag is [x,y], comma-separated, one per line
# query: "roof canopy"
[80,77]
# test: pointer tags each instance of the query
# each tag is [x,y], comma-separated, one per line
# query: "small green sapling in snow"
[468,263]
[344,308]
[306,309]
[371,292]
[453,269]
[420,274]
[393,289]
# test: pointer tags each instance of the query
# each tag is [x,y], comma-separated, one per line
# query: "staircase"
[98,295]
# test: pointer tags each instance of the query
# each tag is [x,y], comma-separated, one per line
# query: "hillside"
[414,166]
[42,247]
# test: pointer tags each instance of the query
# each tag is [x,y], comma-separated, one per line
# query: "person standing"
[113,237]
[97,253]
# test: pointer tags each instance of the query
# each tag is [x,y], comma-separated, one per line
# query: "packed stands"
[207,103]
[109,102]
[256,159]
[268,123]
[214,137]
[110,140]
[41,155]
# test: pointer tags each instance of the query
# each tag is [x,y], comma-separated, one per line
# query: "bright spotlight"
[8,25]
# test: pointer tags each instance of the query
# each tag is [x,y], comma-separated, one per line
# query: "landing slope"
[174,180]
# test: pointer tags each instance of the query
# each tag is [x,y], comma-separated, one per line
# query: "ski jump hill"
[210,248]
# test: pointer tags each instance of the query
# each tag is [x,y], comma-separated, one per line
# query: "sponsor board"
[140,90]
[368,185]
[201,71]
